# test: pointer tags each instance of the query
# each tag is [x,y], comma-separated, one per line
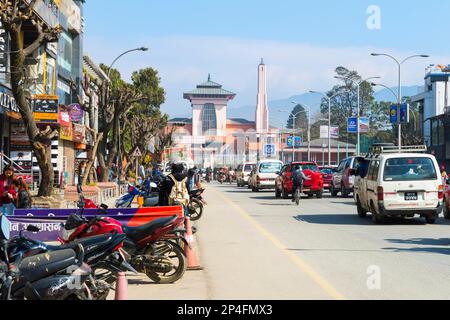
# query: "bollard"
[191,257]
[121,287]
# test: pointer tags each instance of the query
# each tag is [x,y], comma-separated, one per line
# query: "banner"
[334,133]
[49,220]
[79,133]
[352,125]
[66,133]
[290,142]
[404,113]
[394,114]
[76,112]
[364,125]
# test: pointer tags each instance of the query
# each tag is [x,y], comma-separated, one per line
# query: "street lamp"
[108,96]
[309,125]
[358,85]
[329,119]
[399,96]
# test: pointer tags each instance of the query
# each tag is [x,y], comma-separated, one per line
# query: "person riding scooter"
[297,180]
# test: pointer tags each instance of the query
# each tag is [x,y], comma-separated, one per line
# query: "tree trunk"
[40,141]
[97,138]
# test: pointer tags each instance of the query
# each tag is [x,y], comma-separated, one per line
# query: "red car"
[327,176]
[315,186]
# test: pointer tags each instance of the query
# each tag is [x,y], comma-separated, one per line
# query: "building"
[210,138]
[55,70]
[434,108]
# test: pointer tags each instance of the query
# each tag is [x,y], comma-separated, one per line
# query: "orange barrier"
[146,215]
[189,250]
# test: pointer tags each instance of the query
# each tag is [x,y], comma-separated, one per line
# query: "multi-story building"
[434,105]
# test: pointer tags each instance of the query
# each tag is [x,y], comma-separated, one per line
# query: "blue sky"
[301,41]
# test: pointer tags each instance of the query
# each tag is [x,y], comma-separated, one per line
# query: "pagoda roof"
[209,89]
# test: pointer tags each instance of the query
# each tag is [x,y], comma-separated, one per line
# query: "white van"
[243,173]
[265,174]
[400,184]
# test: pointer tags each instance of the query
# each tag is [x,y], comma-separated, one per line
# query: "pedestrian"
[7,191]
[24,200]
[178,176]
[444,175]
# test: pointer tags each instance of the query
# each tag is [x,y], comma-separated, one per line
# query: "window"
[348,163]
[249,167]
[434,132]
[409,169]
[270,167]
[310,167]
[441,132]
[373,170]
[65,52]
[209,117]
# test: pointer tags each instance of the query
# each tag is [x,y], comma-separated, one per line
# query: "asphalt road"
[253,246]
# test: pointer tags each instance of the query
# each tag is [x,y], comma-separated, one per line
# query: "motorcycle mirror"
[104,206]
[153,185]
[33,229]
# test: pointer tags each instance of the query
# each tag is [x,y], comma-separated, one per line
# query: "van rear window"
[270,167]
[249,167]
[409,169]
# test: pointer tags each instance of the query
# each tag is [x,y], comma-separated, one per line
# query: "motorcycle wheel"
[163,251]
[195,210]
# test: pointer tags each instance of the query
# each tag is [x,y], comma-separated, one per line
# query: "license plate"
[411,196]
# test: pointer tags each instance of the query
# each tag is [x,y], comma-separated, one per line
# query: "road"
[253,246]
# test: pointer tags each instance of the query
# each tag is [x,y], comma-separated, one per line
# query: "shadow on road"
[436,250]
[351,219]
[347,203]
[422,241]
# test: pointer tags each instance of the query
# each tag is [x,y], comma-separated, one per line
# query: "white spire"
[262,110]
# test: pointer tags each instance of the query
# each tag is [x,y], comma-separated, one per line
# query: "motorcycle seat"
[137,233]
[44,265]
[88,244]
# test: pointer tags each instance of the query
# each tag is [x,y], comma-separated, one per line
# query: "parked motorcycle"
[59,275]
[150,195]
[196,204]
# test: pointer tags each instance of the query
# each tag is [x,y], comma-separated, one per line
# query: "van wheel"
[446,211]
[344,191]
[284,193]
[361,212]
[277,193]
[376,217]
[431,220]
[333,191]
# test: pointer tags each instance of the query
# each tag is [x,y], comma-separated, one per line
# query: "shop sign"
[64,116]
[8,102]
[3,50]
[22,158]
[66,133]
[19,136]
[79,133]
[45,108]
[76,112]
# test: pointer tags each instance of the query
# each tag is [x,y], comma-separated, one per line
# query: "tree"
[15,14]
[301,118]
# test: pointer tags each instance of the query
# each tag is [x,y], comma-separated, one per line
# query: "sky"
[302,42]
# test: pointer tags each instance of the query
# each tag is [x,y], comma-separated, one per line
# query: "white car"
[399,184]
[243,173]
[264,175]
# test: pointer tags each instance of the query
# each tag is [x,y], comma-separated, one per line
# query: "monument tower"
[262,109]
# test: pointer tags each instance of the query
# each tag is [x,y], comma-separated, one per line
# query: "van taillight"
[380,193]
[441,192]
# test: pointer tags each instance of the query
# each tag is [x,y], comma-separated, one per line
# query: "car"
[343,182]
[243,173]
[327,173]
[264,175]
[399,183]
[315,186]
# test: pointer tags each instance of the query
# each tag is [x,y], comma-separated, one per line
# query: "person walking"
[24,200]
[7,191]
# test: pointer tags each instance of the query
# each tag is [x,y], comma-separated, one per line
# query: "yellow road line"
[318,279]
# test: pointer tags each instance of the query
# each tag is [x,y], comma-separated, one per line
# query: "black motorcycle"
[196,204]
[99,253]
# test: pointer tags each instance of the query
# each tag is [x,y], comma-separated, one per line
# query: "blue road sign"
[394,114]
[352,126]
[270,150]
[404,113]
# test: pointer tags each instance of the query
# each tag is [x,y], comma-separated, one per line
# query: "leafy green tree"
[301,119]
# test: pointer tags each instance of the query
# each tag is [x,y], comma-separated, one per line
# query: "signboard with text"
[294,141]
[334,132]
[352,125]
[393,114]
[45,108]
[364,125]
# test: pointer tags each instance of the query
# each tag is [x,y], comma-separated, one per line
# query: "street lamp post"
[358,85]
[309,126]
[400,87]
[294,118]
[329,120]
[119,167]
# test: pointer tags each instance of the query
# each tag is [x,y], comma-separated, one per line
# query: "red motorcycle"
[153,249]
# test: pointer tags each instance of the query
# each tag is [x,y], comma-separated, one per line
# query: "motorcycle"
[59,275]
[221,178]
[145,247]
[150,195]
[196,204]
[102,253]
